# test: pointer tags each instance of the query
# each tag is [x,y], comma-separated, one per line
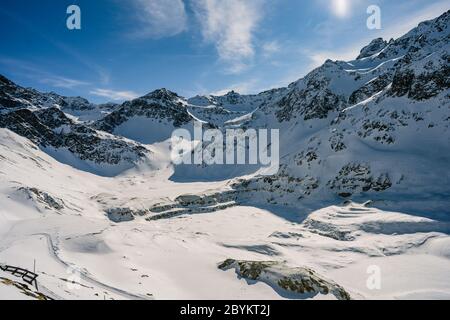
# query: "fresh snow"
[363,185]
[178,258]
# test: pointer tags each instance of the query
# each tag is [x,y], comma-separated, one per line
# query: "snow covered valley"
[91,202]
[81,254]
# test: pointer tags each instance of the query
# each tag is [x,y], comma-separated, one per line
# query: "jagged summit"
[363,180]
[391,88]
[4,80]
[374,47]
[14,97]
[161,94]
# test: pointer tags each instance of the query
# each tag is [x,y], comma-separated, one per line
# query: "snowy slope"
[90,193]
[373,128]
[141,259]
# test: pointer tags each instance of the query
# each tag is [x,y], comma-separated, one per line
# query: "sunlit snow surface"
[101,210]
[178,258]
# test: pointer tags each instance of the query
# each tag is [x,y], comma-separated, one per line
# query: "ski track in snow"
[54,253]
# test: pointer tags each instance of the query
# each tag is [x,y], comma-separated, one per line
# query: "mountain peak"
[232,93]
[161,94]
[5,81]
[372,48]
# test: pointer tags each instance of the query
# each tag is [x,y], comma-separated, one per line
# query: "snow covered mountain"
[62,127]
[85,186]
[365,128]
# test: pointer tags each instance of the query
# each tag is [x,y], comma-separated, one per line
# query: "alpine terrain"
[359,209]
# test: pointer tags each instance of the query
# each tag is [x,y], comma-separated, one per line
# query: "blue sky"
[129,48]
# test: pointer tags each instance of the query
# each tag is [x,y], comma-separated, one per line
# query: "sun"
[341,8]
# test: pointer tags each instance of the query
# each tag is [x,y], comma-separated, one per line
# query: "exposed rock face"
[53,118]
[182,205]
[233,109]
[13,97]
[77,104]
[427,81]
[416,65]
[25,123]
[236,102]
[24,289]
[355,121]
[40,117]
[121,214]
[345,126]
[312,96]
[376,46]
[160,105]
[52,128]
[371,88]
[358,178]
[301,281]
[50,202]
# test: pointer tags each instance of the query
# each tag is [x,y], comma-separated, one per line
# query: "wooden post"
[34,271]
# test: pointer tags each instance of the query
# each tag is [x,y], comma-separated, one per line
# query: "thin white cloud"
[270,48]
[230,25]
[160,18]
[114,95]
[249,86]
[34,72]
[405,24]
[62,82]
[394,30]
[343,54]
